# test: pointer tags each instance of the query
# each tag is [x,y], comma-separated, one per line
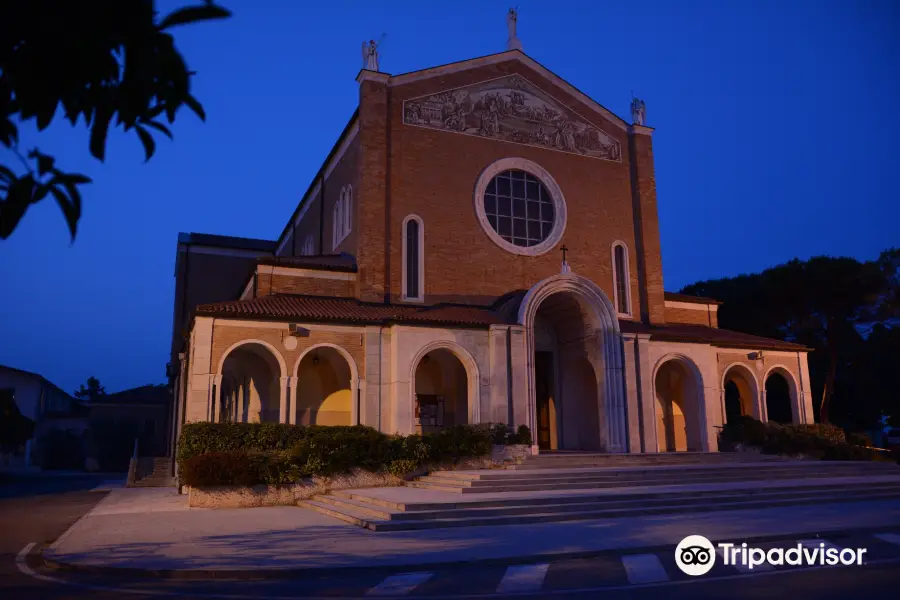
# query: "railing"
[132,466]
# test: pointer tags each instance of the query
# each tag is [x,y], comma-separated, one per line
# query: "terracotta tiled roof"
[686,298]
[714,336]
[350,310]
[325,262]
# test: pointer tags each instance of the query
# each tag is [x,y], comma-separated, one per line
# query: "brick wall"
[433,173]
[692,316]
[268,284]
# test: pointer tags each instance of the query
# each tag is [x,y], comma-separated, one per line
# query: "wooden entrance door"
[543,383]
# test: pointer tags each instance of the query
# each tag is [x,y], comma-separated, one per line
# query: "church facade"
[480,245]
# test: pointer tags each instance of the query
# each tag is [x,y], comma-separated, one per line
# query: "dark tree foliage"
[104,63]
[15,428]
[92,391]
[846,310]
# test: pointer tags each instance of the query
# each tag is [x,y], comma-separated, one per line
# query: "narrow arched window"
[348,206]
[621,279]
[413,260]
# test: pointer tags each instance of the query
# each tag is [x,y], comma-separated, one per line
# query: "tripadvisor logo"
[695,555]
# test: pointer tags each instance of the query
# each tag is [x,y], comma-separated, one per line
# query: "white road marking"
[523,578]
[397,585]
[891,538]
[741,566]
[644,568]
[23,566]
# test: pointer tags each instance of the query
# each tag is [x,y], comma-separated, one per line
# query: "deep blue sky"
[776,137]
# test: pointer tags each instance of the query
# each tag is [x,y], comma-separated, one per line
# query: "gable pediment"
[511,109]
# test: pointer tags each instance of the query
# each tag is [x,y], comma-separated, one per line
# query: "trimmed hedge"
[271,453]
[200,438]
[823,441]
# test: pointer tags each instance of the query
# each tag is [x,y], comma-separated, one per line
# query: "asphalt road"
[38,510]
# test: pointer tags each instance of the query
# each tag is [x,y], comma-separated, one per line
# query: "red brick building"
[421,282]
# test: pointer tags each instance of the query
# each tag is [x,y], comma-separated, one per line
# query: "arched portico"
[325,388]
[453,363]
[679,405]
[740,392]
[251,384]
[781,396]
[580,376]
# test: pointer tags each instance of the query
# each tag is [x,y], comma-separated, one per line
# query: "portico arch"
[586,328]
[680,410]
[325,387]
[740,392]
[469,365]
[781,395]
[249,381]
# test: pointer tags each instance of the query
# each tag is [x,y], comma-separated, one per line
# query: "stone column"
[804,394]
[283,399]
[294,398]
[197,403]
[636,442]
[520,364]
[498,399]
[613,389]
[648,393]
[215,393]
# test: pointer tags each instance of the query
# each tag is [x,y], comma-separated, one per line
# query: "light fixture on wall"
[315,360]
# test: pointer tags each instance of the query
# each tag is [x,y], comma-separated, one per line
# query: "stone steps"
[560,460]
[473,483]
[365,512]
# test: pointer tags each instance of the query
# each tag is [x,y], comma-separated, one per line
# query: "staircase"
[578,487]
[154,471]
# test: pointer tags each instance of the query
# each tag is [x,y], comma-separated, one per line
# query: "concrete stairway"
[506,497]
[555,460]
[154,471]
[535,480]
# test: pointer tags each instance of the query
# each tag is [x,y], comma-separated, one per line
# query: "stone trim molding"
[606,332]
[473,377]
[275,354]
[493,59]
[559,204]
[691,306]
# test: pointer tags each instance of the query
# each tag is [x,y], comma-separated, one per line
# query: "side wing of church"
[480,245]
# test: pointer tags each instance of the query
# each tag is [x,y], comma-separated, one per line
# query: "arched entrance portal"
[441,391]
[741,393]
[678,388]
[324,388]
[575,387]
[778,398]
[568,411]
[250,391]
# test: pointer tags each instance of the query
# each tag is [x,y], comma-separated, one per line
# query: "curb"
[252,573]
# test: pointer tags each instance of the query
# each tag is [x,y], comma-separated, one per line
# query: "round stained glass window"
[519,208]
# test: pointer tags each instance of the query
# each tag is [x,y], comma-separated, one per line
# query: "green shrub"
[522,436]
[200,438]
[402,466]
[455,443]
[220,468]
[254,453]
[502,434]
